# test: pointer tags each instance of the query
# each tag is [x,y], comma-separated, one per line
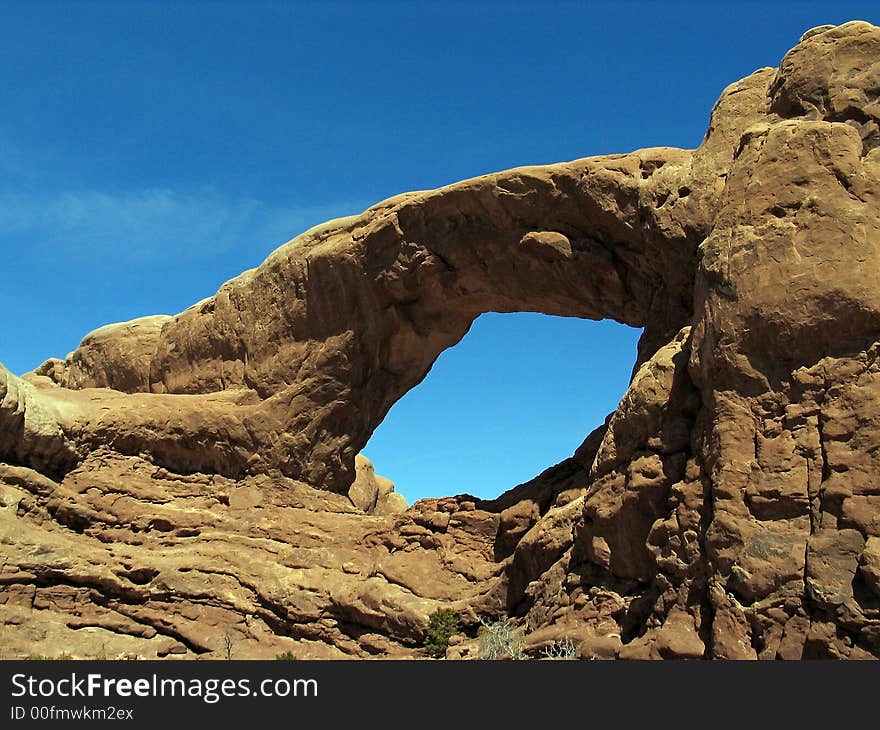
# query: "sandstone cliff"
[177,480]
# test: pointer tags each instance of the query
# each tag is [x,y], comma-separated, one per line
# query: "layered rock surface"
[179,479]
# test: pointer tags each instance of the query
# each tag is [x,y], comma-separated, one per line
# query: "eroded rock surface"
[175,480]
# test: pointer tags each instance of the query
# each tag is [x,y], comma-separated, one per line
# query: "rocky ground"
[188,486]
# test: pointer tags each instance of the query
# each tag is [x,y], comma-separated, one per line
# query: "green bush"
[442,626]
[287,656]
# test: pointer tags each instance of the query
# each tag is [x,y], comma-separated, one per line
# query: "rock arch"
[315,345]
[729,506]
[291,365]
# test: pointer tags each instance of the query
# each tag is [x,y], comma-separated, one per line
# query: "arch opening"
[517,395]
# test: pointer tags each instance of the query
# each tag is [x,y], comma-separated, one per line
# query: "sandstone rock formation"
[179,478]
[372,493]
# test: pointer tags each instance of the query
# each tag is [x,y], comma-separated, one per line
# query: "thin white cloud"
[141,224]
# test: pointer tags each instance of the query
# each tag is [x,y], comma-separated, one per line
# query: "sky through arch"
[518,394]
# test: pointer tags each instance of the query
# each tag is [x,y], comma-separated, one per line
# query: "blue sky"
[150,151]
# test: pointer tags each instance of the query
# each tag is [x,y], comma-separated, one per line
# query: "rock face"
[177,479]
[124,558]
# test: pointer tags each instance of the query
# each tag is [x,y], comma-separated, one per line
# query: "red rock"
[177,480]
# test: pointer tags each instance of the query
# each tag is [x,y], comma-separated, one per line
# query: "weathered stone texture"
[178,478]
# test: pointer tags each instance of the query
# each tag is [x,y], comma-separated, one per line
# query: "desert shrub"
[286,656]
[561,650]
[501,640]
[442,626]
[229,642]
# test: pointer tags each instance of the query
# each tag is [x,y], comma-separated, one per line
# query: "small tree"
[442,626]
[228,643]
